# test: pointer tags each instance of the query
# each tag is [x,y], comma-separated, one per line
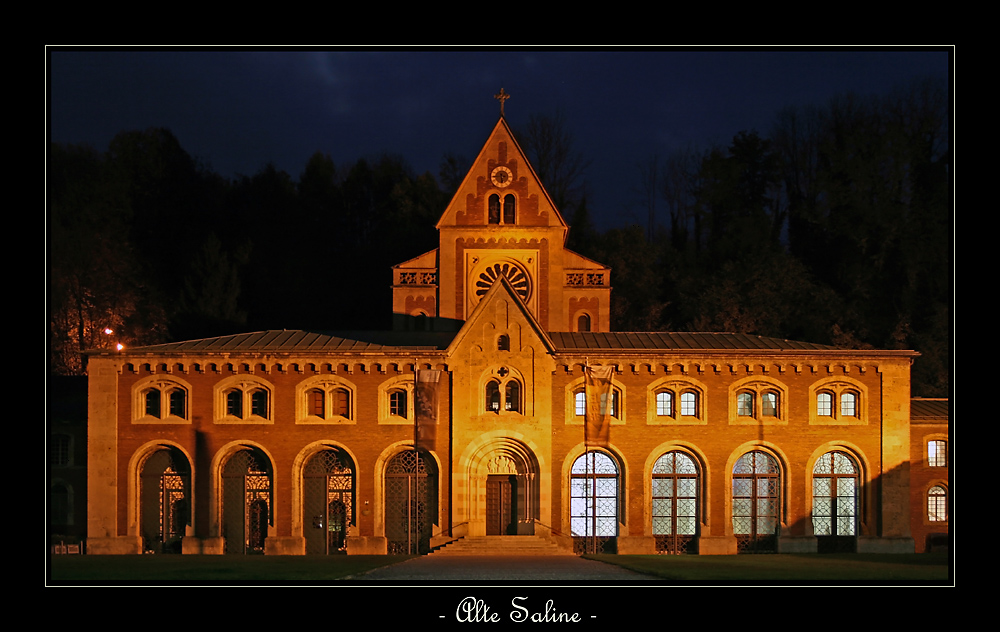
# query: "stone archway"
[504,478]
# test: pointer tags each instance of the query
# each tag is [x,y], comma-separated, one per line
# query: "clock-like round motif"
[501,177]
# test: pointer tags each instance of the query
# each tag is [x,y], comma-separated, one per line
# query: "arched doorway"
[410,502]
[756,492]
[594,490]
[246,501]
[675,503]
[327,501]
[164,500]
[835,503]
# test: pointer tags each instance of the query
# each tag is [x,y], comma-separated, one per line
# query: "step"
[501,545]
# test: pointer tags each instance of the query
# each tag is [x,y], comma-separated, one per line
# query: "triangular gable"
[501,150]
[500,290]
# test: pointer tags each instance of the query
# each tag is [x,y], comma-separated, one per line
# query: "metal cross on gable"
[501,97]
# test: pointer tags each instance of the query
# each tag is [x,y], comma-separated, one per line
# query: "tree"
[559,166]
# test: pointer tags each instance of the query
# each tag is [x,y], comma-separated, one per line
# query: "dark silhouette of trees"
[833,228]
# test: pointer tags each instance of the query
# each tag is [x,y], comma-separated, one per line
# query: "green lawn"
[188,569]
[859,568]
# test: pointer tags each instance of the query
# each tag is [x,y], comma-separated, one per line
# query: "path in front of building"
[497,568]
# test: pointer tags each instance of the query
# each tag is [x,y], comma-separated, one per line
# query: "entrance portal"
[501,505]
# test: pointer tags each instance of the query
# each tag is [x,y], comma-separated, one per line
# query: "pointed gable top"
[501,169]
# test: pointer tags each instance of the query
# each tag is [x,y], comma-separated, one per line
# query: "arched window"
[165,500]
[503,343]
[835,501]
[513,396]
[594,501]
[937,504]
[824,404]
[664,404]
[509,214]
[327,501]
[769,404]
[848,404]
[234,403]
[162,400]
[153,402]
[756,489]
[341,401]
[689,404]
[675,502]
[246,501]
[744,404]
[493,396]
[317,402]
[580,403]
[259,403]
[494,209]
[397,402]
[838,401]
[583,322]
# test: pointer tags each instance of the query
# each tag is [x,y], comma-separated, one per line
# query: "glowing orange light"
[120,346]
[108,330]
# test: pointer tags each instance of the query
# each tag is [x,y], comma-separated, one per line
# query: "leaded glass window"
[675,502]
[937,504]
[665,404]
[755,506]
[594,496]
[835,488]
[824,404]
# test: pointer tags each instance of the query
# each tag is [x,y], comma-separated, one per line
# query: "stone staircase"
[501,545]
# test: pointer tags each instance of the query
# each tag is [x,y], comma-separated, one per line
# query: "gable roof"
[500,287]
[501,132]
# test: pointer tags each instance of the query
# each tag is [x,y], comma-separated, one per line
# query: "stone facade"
[293,442]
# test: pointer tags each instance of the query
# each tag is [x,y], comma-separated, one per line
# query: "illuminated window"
[513,396]
[689,404]
[769,404]
[824,404]
[675,502]
[838,401]
[755,502]
[744,404]
[937,504]
[580,402]
[594,496]
[937,453]
[493,396]
[848,404]
[835,491]
[665,404]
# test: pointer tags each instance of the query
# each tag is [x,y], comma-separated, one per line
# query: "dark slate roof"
[929,409]
[620,341]
[298,341]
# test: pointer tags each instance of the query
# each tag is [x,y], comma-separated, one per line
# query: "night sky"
[235,110]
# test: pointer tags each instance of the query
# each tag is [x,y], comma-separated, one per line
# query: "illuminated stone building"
[302,442]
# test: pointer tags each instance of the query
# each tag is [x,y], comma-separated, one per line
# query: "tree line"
[834,227]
